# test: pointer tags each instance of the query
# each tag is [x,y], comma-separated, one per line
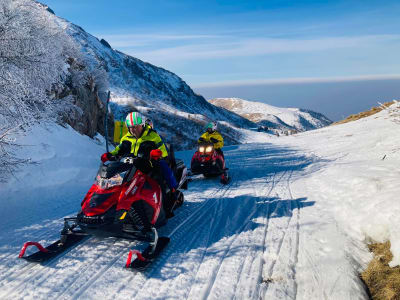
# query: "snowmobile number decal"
[155,197]
[130,187]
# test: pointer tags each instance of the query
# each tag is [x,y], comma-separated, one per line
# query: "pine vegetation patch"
[382,281]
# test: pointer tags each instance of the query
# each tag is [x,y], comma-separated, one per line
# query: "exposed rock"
[105,43]
[83,110]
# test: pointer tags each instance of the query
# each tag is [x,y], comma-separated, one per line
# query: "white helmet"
[134,118]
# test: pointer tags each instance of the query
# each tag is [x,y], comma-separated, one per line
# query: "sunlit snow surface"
[293,222]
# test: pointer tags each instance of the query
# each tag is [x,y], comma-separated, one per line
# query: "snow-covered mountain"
[75,71]
[272,116]
[177,112]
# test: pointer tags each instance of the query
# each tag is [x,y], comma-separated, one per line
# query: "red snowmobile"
[209,162]
[123,202]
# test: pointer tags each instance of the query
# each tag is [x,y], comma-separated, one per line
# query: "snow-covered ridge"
[272,116]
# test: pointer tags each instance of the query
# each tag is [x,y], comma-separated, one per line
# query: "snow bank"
[63,166]
[360,184]
[364,199]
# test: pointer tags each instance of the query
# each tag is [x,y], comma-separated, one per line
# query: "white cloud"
[299,80]
[228,47]
[137,40]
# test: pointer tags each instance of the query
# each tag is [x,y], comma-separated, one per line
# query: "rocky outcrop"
[84,111]
[79,103]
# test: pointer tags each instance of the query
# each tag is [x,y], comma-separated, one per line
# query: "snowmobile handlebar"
[203,141]
[214,140]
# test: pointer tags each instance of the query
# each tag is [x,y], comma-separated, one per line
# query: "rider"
[143,142]
[213,136]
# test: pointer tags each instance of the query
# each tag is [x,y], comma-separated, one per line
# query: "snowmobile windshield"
[113,174]
[113,168]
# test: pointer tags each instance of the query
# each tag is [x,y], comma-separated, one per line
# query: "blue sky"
[217,45]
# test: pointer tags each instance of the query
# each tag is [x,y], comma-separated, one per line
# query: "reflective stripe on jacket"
[148,135]
[216,135]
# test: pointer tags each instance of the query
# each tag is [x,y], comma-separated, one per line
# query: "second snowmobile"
[209,162]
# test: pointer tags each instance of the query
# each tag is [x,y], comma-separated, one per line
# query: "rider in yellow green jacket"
[139,140]
[212,136]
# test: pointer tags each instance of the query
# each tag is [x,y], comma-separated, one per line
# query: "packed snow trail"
[218,252]
[235,241]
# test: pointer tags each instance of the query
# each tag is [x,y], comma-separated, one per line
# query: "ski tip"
[27,244]
[129,259]
[142,260]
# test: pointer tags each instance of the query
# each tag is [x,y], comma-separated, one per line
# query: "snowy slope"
[361,183]
[272,116]
[159,94]
[293,222]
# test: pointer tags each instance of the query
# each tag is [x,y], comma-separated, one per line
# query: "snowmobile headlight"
[201,149]
[209,148]
[106,183]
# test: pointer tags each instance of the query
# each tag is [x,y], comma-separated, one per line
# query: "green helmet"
[134,118]
[211,125]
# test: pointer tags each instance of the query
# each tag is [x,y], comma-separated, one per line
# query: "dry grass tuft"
[383,281]
[364,114]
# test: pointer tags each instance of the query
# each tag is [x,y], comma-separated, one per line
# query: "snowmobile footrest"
[52,250]
[146,257]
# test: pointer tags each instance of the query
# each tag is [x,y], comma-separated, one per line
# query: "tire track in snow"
[189,242]
[297,239]
[288,209]
[266,190]
[97,270]
[268,214]
[208,205]
[284,262]
[222,259]
[225,253]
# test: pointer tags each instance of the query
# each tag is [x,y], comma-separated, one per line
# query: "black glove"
[214,140]
[125,148]
[143,165]
[201,139]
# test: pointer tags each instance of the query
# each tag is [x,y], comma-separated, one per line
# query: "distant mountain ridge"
[273,117]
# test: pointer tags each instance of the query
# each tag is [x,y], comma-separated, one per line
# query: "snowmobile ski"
[143,259]
[46,253]
[225,177]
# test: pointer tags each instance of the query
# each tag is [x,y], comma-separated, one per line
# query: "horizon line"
[297,80]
